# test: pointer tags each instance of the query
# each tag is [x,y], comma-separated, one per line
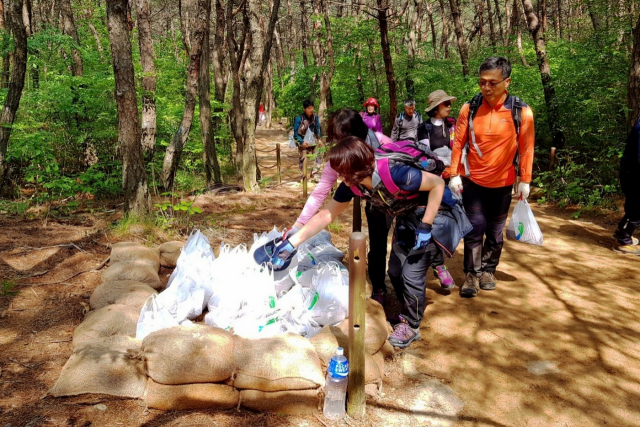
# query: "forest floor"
[556,344]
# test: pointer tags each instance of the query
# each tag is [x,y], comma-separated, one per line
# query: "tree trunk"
[499,15]
[220,77]
[594,15]
[492,30]
[444,40]
[27,17]
[269,102]
[134,178]
[462,43]
[69,29]
[543,15]
[148,130]
[633,95]
[383,6]
[323,55]
[411,48]
[535,29]
[12,101]
[434,37]
[196,24]
[558,20]
[516,20]
[4,79]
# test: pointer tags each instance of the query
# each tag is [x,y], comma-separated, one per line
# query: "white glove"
[455,185]
[523,191]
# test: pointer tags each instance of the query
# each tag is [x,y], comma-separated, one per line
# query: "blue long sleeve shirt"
[315,127]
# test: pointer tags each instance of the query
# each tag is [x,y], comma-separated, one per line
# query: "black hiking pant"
[379,224]
[631,220]
[487,210]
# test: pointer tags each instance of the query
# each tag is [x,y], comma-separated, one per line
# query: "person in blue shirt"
[307,120]
[630,183]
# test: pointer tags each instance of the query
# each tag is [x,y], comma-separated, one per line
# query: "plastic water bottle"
[336,386]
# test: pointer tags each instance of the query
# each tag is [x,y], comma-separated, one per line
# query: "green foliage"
[7,288]
[175,213]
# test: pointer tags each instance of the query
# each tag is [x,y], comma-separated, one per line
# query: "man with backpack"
[307,121]
[630,183]
[494,140]
[405,127]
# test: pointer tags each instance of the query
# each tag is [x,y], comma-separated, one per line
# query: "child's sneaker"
[443,275]
[403,335]
[626,249]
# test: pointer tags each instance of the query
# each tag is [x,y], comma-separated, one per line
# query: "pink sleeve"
[319,194]
[378,124]
[382,138]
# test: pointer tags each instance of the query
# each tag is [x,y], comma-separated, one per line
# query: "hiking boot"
[487,281]
[378,296]
[443,275]
[403,334]
[626,249]
[634,240]
[470,287]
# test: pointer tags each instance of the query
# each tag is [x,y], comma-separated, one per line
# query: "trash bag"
[310,137]
[185,299]
[523,226]
[292,140]
[328,301]
[153,317]
[195,263]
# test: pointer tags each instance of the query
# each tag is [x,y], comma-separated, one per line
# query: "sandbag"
[131,251]
[169,253]
[125,292]
[140,271]
[326,343]
[186,397]
[285,362]
[376,330]
[290,402]
[102,371]
[189,354]
[106,322]
[121,343]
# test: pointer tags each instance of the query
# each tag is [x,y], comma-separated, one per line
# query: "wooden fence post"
[305,179]
[356,403]
[278,163]
[357,215]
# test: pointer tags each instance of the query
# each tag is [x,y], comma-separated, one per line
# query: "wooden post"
[357,215]
[552,158]
[356,403]
[305,179]
[278,163]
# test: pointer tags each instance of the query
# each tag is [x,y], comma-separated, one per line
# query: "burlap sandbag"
[189,354]
[106,322]
[121,343]
[131,251]
[169,253]
[186,397]
[290,402]
[139,271]
[376,329]
[102,371]
[285,362]
[124,292]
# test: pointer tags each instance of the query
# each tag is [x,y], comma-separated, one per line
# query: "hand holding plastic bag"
[310,137]
[523,226]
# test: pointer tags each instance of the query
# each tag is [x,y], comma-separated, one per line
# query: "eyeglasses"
[446,103]
[482,83]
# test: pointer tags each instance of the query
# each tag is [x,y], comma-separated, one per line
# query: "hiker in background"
[308,120]
[355,162]
[436,135]
[630,184]
[347,122]
[370,116]
[492,131]
[261,115]
[405,127]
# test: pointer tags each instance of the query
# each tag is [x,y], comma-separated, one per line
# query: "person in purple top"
[370,116]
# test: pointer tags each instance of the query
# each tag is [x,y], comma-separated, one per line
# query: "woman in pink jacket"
[370,116]
[347,122]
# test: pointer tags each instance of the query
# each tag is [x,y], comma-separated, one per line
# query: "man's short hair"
[409,103]
[496,63]
[306,104]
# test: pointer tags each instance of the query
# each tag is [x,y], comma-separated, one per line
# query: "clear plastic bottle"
[336,386]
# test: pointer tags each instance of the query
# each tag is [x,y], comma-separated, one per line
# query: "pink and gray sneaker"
[443,275]
[403,334]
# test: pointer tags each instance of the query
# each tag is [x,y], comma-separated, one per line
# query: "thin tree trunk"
[383,6]
[12,101]
[69,29]
[535,29]
[197,30]
[269,103]
[633,95]
[462,43]
[134,177]
[434,37]
[517,20]
[145,42]
[220,79]
[176,51]
[236,53]
[324,57]
[543,15]
[411,48]
[492,30]
[4,79]
[499,15]
[27,17]
[444,40]
[594,15]
[558,20]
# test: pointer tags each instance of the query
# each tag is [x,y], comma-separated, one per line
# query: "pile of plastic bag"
[249,299]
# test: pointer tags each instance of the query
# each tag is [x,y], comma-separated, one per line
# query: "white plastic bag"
[310,137]
[292,140]
[184,300]
[153,317]
[523,226]
[328,301]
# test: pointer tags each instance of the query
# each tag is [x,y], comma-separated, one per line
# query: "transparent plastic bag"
[310,137]
[292,140]
[184,300]
[523,226]
[328,301]
[153,317]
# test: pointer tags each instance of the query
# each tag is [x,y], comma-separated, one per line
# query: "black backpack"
[474,105]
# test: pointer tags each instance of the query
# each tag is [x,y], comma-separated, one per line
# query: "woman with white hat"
[436,135]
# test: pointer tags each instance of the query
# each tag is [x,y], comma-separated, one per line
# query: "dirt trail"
[556,344]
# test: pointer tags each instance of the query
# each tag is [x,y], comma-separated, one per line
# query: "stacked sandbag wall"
[200,366]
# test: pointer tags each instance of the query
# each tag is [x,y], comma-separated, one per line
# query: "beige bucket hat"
[436,98]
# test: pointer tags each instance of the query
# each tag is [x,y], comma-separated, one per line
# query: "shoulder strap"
[474,105]
[401,120]
[384,171]
[516,114]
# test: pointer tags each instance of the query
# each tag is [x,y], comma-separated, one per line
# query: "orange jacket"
[496,138]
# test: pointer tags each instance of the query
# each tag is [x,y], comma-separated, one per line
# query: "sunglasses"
[446,103]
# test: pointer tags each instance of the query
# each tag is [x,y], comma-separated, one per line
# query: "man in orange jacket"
[487,189]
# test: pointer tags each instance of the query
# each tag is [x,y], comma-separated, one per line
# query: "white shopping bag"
[292,140]
[523,227]
[153,317]
[310,137]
